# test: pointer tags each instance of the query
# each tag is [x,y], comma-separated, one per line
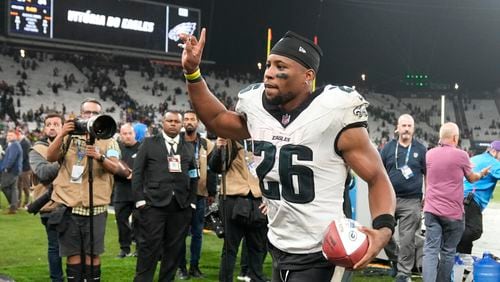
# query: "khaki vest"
[77,194]
[203,167]
[239,180]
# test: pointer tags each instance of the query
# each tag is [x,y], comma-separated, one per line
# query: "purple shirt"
[446,167]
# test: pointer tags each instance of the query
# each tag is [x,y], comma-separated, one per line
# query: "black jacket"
[123,186]
[151,179]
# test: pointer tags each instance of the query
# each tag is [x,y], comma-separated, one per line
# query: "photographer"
[241,210]
[44,173]
[71,189]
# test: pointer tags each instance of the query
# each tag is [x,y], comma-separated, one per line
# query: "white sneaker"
[243,278]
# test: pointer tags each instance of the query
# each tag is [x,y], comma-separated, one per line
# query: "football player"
[304,141]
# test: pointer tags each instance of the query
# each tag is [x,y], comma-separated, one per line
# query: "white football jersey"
[301,175]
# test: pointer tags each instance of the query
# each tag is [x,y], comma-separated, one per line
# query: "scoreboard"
[129,25]
[28,18]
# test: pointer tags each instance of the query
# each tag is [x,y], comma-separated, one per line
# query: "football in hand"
[343,244]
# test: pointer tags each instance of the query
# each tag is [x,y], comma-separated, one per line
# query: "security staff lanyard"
[197,156]
[407,156]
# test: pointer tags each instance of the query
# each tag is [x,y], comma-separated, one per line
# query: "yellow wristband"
[193,76]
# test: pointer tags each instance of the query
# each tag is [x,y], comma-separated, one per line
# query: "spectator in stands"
[446,165]
[24,180]
[476,198]
[205,193]
[242,215]
[123,199]
[44,173]
[404,161]
[71,190]
[11,166]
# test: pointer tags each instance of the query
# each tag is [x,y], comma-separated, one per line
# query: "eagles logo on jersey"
[300,172]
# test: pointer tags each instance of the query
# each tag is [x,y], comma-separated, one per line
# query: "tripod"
[223,204]
[90,167]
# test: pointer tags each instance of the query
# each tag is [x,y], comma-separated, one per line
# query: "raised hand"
[193,50]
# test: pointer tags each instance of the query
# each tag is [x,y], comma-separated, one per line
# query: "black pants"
[123,210]
[288,267]
[160,231]
[323,274]
[255,236]
[473,227]
[55,261]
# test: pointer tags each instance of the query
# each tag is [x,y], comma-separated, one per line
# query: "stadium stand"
[142,90]
[482,118]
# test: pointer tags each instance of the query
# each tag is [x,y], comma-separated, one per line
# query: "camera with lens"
[99,127]
[35,206]
[213,220]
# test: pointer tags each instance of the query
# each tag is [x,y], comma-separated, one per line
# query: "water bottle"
[486,269]
[457,275]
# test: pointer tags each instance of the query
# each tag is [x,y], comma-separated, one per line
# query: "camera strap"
[65,150]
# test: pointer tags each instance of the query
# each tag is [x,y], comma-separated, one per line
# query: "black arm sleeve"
[211,179]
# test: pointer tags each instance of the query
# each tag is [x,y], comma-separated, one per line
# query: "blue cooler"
[486,269]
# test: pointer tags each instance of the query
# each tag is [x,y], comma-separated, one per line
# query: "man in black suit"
[164,182]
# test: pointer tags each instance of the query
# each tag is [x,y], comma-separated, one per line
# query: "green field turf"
[23,253]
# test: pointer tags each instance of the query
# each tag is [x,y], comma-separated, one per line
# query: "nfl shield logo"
[415,155]
[285,119]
